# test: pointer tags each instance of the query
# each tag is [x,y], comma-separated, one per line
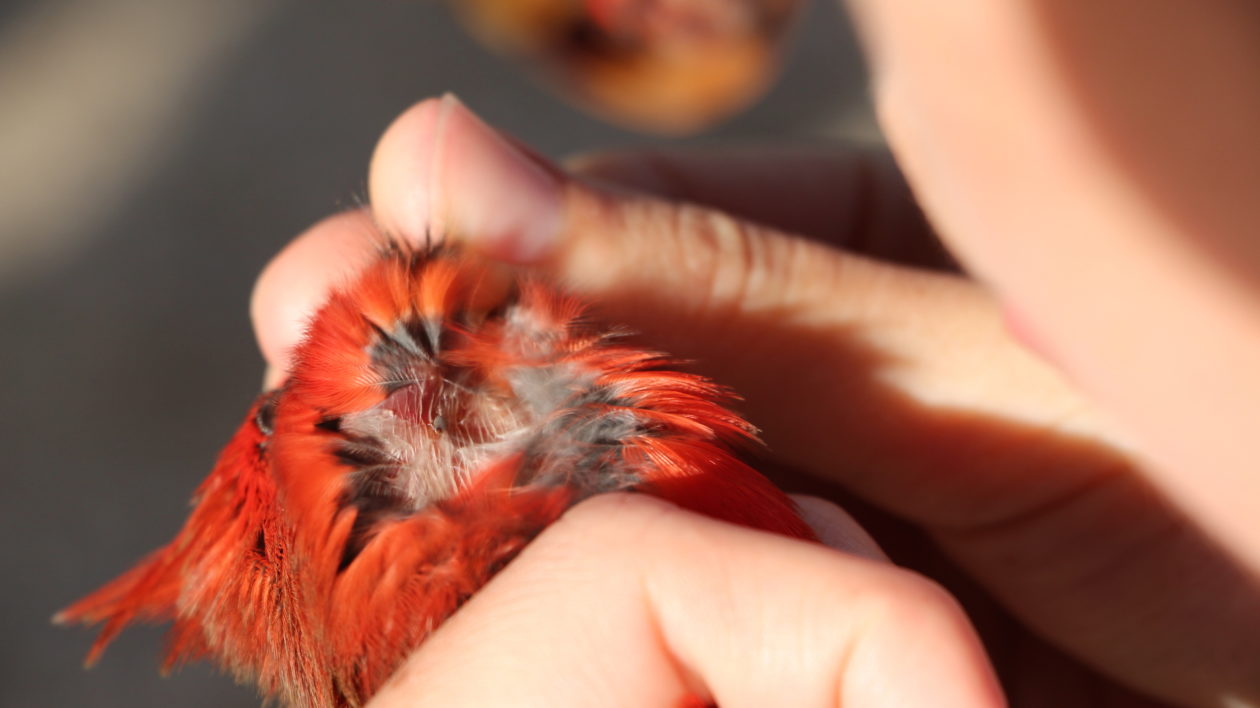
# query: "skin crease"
[1096,564]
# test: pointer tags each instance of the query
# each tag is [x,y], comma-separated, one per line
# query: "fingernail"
[489,192]
[836,528]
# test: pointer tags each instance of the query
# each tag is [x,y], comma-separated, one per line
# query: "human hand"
[1059,533]
[902,384]
[685,605]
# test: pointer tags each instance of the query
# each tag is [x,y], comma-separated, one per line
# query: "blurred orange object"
[666,66]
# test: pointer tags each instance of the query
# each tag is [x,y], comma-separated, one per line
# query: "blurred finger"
[299,279]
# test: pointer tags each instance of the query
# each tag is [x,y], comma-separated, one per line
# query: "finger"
[852,197]
[846,362]
[629,601]
[1097,163]
[298,280]
[431,158]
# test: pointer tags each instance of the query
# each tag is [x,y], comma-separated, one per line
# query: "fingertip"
[401,182]
[298,280]
[440,171]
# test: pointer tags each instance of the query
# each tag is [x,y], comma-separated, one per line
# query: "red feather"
[438,417]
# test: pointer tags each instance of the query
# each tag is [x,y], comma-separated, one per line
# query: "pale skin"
[1056,450]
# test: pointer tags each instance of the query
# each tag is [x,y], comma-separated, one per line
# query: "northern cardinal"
[438,416]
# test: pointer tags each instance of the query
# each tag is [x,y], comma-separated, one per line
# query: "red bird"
[439,415]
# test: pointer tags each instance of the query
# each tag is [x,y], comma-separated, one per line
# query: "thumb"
[440,170]
[668,266]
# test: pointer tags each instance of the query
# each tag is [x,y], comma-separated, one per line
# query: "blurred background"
[153,156]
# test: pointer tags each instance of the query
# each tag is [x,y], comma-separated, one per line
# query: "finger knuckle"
[915,598]
[725,255]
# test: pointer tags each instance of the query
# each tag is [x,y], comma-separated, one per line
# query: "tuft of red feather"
[438,416]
